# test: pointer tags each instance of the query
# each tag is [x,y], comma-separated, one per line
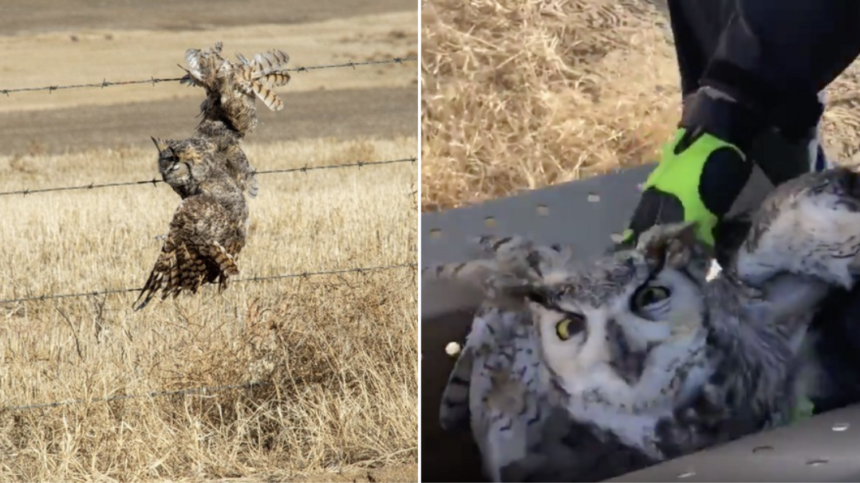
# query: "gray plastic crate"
[585,214]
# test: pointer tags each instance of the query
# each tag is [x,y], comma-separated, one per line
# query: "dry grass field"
[520,95]
[334,357]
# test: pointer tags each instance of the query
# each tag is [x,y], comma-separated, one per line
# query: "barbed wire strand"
[156,181]
[184,392]
[154,80]
[265,278]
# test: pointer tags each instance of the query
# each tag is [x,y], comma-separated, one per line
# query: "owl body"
[645,356]
[208,229]
[229,153]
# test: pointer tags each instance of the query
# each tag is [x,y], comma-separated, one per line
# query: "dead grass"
[338,353]
[521,95]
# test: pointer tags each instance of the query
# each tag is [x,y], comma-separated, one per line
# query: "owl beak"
[628,363]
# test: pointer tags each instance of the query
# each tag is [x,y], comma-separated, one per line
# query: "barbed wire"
[184,392]
[156,181]
[264,278]
[153,80]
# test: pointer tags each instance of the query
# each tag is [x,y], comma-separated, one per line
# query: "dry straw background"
[518,95]
[337,353]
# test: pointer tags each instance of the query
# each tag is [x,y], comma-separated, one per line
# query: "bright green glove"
[672,191]
[804,410]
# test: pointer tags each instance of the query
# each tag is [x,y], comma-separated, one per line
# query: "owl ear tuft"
[160,145]
[674,245]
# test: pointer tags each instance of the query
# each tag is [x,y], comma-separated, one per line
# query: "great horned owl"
[229,110]
[208,229]
[637,357]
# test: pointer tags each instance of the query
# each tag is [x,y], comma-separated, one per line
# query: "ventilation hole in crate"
[593,197]
[839,427]
[490,221]
[816,462]
[762,449]
[686,474]
[435,233]
[452,349]
[542,210]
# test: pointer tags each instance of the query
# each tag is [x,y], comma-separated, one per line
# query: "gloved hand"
[698,179]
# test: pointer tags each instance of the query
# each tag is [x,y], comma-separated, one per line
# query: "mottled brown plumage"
[208,229]
[229,110]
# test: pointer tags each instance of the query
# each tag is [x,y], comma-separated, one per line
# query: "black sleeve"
[776,55]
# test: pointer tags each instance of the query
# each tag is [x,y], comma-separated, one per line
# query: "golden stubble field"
[334,357]
[520,95]
[339,352]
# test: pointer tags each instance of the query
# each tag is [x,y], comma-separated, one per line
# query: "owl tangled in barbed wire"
[211,173]
[208,229]
[229,111]
[582,371]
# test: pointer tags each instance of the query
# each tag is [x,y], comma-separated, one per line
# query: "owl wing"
[517,419]
[486,389]
[503,268]
[204,66]
[191,254]
[264,92]
[260,75]
[271,65]
[807,226]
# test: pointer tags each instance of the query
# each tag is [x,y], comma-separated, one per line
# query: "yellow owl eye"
[569,327]
[650,295]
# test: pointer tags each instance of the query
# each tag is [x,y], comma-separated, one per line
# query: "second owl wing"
[272,65]
[496,386]
[808,226]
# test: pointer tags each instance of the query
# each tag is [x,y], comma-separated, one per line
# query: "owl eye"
[650,295]
[570,326]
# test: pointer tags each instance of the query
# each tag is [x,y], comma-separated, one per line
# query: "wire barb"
[153,80]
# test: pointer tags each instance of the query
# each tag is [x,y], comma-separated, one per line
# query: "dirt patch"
[380,113]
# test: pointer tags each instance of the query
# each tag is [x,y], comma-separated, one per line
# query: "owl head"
[626,330]
[184,164]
